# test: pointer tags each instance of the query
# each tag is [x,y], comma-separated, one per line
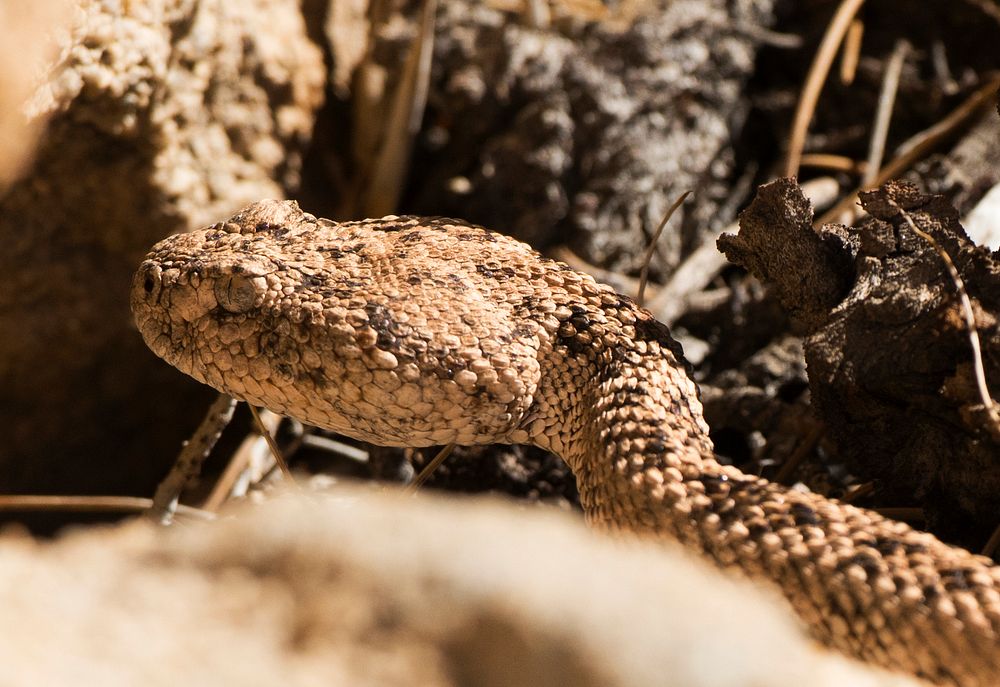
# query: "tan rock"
[161,115]
[373,589]
[27,33]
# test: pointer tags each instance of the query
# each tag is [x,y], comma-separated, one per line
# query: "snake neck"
[642,455]
[627,418]
[639,447]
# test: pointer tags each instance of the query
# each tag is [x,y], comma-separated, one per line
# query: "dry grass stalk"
[430,468]
[918,147]
[818,72]
[242,469]
[644,273]
[883,115]
[851,54]
[90,504]
[392,158]
[804,448]
[836,163]
[992,544]
[279,458]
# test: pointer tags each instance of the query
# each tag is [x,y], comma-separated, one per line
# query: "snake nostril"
[151,277]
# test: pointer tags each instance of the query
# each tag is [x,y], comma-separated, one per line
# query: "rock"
[589,130]
[983,221]
[26,30]
[374,589]
[160,118]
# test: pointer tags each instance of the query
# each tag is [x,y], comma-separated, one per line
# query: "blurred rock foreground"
[364,588]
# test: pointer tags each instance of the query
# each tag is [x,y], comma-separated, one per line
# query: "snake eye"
[238,293]
[148,285]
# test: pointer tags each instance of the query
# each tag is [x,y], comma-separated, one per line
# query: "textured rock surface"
[590,130]
[26,41]
[370,589]
[160,118]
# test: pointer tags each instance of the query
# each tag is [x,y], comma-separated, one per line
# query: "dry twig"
[852,51]
[403,124]
[644,273]
[279,458]
[815,79]
[793,462]
[694,274]
[91,504]
[837,163]
[782,41]
[332,446]
[992,544]
[191,458]
[988,7]
[858,491]
[224,486]
[430,468]
[917,147]
[252,451]
[886,101]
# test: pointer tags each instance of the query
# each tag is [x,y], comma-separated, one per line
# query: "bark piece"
[890,364]
[777,244]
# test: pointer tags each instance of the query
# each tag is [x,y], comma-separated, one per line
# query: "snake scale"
[407,331]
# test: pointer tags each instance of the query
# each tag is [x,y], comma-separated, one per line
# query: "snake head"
[195,290]
[385,330]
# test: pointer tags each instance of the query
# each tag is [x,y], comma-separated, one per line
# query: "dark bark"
[889,361]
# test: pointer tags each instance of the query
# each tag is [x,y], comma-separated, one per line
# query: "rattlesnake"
[410,331]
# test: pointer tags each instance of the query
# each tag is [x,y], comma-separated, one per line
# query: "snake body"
[409,331]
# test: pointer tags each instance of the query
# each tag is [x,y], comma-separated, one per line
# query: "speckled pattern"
[409,331]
